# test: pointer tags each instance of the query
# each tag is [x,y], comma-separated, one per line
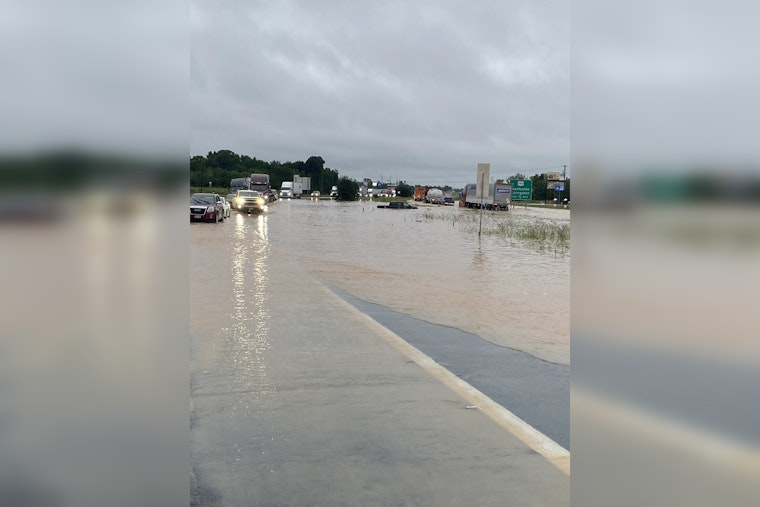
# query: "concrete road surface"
[298,400]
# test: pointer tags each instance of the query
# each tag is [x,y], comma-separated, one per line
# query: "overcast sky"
[420,91]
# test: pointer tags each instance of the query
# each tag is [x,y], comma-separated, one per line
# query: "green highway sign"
[522,190]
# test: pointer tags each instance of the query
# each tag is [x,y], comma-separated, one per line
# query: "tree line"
[219,167]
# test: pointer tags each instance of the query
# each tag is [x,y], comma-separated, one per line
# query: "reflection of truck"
[499,196]
[260,182]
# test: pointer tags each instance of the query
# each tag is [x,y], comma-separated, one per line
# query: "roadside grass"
[537,233]
[210,190]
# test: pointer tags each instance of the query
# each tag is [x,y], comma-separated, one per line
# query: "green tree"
[347,189]
[329,179]
[197,170]
[223,159]
[313,167]
[539,187]
[223,165]
[404,190]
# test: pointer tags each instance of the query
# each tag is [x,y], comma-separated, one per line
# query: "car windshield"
[202,199]
[248,193]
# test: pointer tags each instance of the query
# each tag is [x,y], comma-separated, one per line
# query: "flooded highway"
[430,263]
[298,397]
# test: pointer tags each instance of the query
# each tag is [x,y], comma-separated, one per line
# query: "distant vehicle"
[301,185]
[231,198]
[448,200]
[499,196]
[250,200]
[397,205]
[502,196]
[434,196]
[420,193]
[297,189]
[315,193]
[334,192]
[206,207]
[260,183]
[227,207]
[467,197]
[240,184]
[286,190]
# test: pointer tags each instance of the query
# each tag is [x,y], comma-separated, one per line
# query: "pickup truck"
[397,205]
[250,200]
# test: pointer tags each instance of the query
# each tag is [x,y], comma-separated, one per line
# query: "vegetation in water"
[538,233]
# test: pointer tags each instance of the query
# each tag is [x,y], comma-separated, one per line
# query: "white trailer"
[297,189]
[499,196]
[304,181]
[502,196]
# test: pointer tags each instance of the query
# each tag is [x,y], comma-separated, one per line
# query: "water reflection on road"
[249,321]
[507,292]
[297,400]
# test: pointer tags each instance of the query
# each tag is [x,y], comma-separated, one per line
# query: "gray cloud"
[420,91]
[94,75]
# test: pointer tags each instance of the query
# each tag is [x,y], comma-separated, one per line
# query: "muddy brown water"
[425,263]
[297,400]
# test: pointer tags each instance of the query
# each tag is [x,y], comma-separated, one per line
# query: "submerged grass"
[538,233]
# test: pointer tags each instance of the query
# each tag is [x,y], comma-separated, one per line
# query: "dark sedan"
[206,207]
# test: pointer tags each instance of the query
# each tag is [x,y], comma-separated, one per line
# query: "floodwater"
[431,264]
[298,397]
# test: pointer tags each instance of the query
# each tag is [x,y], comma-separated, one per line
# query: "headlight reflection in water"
[250,329]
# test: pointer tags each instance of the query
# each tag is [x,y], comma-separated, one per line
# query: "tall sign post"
[555,182]
[481,188]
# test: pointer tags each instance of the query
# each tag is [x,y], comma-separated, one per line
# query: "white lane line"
[667,434]
[548,448]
